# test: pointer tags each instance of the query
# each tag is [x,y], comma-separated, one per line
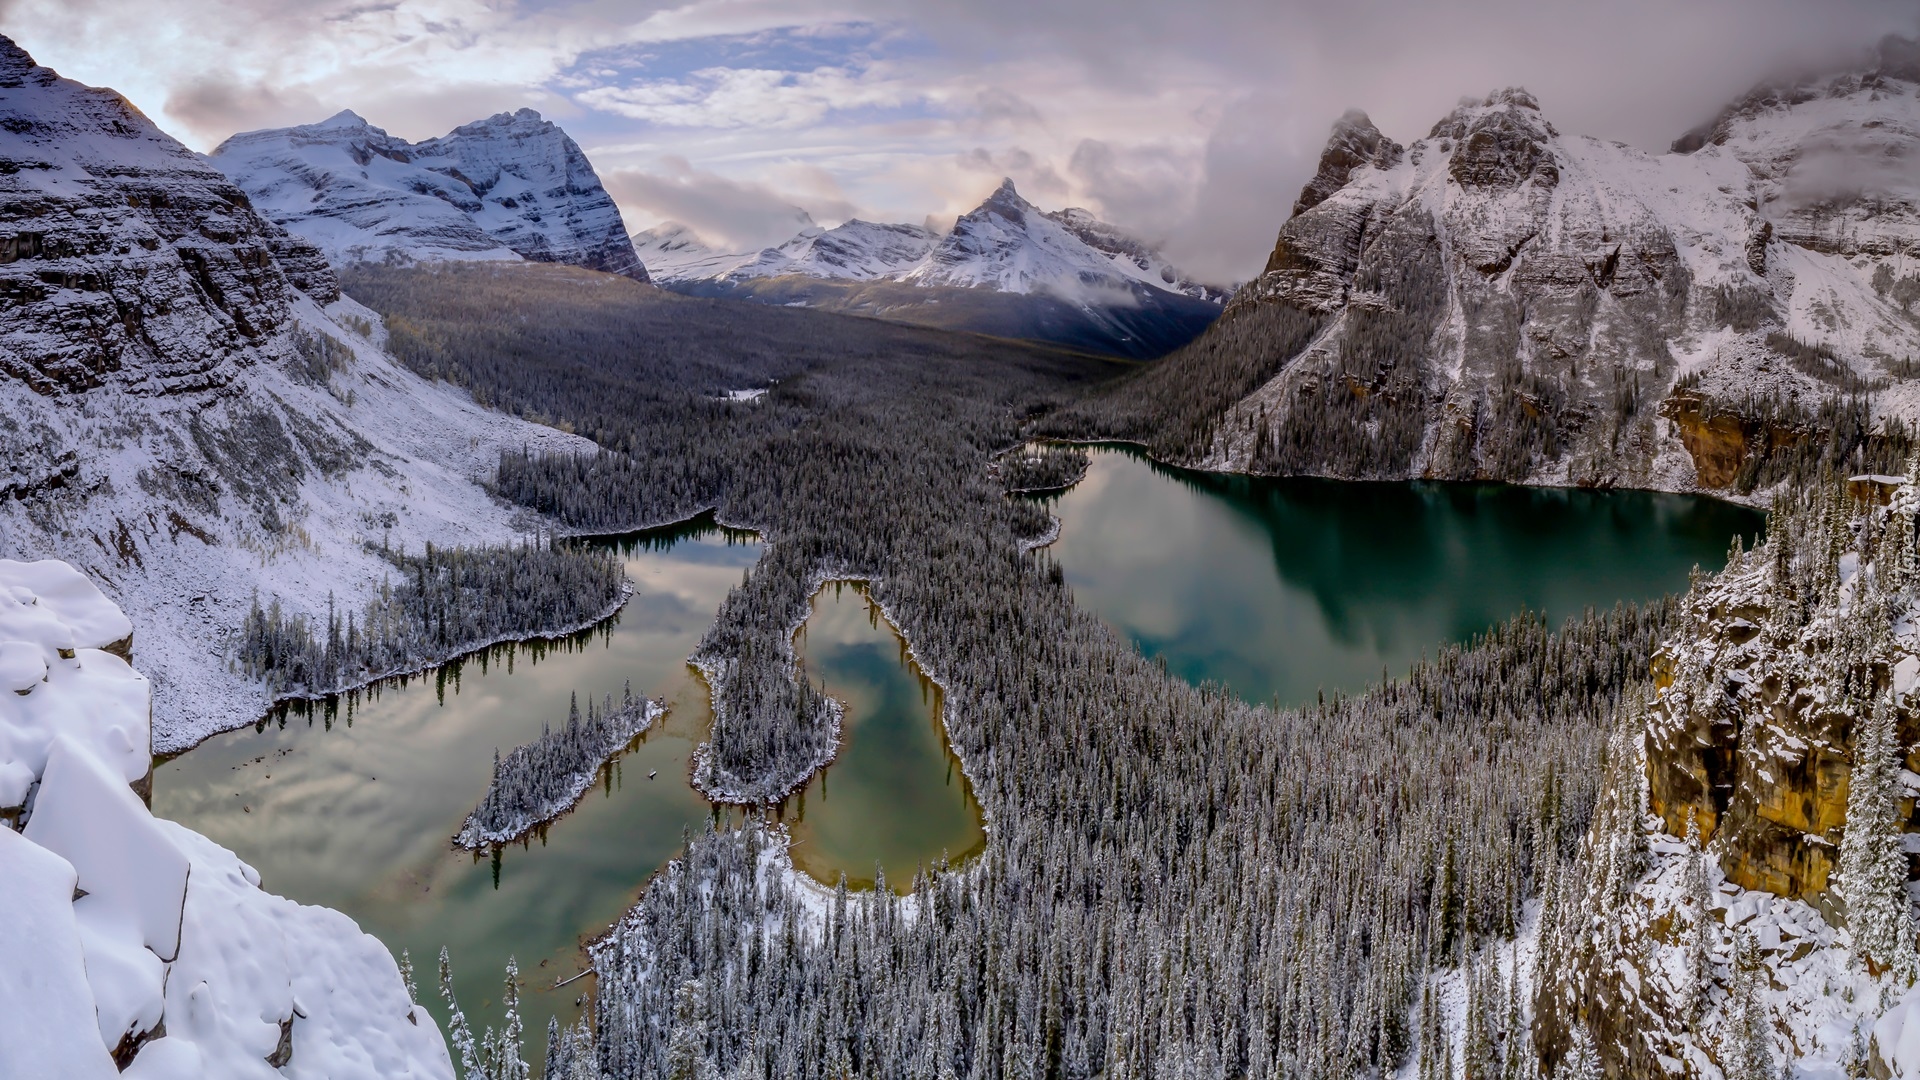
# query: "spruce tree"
[1698,988]
[1872,875]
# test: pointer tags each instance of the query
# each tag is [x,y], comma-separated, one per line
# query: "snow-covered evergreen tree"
[1872,874]
[1697,990]
[1746,1040]
[1582,1060]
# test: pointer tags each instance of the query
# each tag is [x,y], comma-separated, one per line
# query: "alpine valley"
[971,754]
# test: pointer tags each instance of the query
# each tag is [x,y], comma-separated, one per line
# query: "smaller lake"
[353,804]
[895,796]
[1279,588]
[356,811]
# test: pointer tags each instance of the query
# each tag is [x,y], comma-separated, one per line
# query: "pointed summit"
[1353,144]
[345,118]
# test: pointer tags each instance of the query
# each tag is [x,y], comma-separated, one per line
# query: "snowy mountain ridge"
[1006,244]
[1501,300]
[512,186]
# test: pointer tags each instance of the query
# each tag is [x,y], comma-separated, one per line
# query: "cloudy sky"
[1193,124]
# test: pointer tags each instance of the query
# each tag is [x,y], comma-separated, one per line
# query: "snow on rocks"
[509,187]
[55,679]
[43,978]
[127,938]
[1005,244]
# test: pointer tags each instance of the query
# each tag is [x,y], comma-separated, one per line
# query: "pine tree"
[1582,1059]
[459,1034]
[406,976]
[1697,991]
[1746,1041]
[1872,874]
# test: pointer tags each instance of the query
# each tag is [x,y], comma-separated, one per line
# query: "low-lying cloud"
[730,214]
[1192,124]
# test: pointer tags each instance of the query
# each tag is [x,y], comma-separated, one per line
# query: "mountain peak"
[1005,195]
[15,62]
[345,118]
[1353,144]
[511,186]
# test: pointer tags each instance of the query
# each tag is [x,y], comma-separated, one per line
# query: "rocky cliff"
[1731,917]
[189,410]
[512,186]
[1502,300]
[124,257]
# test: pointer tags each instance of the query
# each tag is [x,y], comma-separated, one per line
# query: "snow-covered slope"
[511,186]
[131,941]
[1500,299]
[181,422]
[1005,244]
[1006,269]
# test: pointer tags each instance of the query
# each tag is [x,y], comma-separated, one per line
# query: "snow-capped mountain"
[854,251]
[512,186]
[1005,268]
[1006,243]
[1503,300]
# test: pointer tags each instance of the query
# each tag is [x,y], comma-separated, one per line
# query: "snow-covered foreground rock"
[132,941]
[511,186]
[193,415]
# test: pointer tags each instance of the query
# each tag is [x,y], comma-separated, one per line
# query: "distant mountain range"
[515,186]
[1005,268]
[512,186]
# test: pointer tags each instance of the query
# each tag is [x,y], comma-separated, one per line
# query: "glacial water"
[1276,588]
[1282,588]
[895,797]
[353,804]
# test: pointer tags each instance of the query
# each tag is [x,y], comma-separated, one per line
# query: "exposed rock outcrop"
[126,258]
[1713,927]
[1354,144]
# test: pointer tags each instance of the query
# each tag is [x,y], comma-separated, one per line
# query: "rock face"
[1354,144]
[510,186]
[123,256]
[1006,268]
[1505,301]
[189,411]
[1712,905]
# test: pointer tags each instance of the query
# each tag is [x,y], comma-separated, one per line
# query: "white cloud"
[755,97]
